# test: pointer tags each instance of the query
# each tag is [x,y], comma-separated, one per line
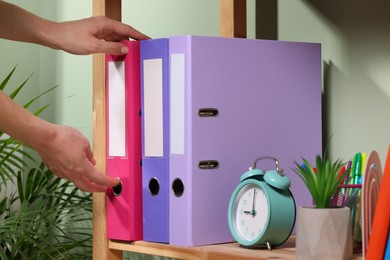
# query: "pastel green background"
[355,47]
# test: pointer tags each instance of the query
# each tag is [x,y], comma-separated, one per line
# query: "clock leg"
[268,245]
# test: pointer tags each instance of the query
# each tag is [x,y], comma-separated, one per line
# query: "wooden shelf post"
[112,9]
[233,18]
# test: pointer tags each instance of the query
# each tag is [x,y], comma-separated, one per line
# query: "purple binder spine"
[180,205]
[154,58]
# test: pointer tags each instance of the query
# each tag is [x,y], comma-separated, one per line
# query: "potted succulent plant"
[323,231]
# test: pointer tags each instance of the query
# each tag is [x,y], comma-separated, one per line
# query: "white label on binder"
[153,108]
[177,100]
[116,109]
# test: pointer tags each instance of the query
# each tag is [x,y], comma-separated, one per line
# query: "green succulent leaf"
[323,181]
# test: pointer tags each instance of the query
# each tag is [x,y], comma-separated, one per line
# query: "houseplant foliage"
[41,215]
[323,180]
[323,231]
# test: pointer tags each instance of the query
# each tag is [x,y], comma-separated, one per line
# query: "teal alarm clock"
[262,208]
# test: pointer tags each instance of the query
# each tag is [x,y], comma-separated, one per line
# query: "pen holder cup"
[350,195]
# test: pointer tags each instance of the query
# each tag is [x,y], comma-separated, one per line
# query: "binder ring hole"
[208,164]
[208,112]
[154,186]
[178,187]
[117,190]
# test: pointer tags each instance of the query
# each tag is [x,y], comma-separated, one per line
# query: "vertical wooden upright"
[112,9]
[233,18]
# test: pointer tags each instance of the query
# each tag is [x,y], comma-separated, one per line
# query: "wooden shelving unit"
[233,24]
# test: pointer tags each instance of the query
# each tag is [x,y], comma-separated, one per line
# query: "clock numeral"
[246,230]
[253,234]
[242,222]
[244,202]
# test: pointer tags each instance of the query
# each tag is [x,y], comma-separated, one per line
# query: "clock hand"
[253,211]
[253,203]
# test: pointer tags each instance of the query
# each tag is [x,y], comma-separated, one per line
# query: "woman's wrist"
[47,33]
[42,135]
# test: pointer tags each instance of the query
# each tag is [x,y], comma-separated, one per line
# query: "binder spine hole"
[117,190]
[208,165]
[154,186]
[208,112]
[178,187]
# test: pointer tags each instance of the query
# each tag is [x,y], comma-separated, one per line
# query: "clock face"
[250,212]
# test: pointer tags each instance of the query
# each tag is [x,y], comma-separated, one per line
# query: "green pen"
[352,172]
[358,168]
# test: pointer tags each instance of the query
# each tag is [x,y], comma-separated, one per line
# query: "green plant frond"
[3,205]
[11,164]
[306,173]
[311,175]
[7,78]
[39,111]
[50,221]
[14,158]
[323,183]
[3,254]
[18,89]
[319,163]
[29,103]
[29,187]
[5,176]
[20,187]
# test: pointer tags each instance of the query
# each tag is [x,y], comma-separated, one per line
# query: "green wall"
[356,66]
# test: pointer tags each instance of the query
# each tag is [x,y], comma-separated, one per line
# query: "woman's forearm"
[92,35]
[20,25]
[21,124]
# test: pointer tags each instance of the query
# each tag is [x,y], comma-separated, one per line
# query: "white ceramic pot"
[323,234]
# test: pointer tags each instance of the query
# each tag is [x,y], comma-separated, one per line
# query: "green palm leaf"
[53,220]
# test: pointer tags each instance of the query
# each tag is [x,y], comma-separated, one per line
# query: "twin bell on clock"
[262,209]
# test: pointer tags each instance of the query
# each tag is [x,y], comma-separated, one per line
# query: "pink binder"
[123,104]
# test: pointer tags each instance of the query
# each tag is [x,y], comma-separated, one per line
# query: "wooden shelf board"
[221,251]
[228,251]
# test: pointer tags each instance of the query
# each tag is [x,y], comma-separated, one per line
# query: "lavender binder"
[155,139]
[233,100]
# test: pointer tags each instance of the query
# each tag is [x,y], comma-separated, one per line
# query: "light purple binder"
[155,139]
[233,100]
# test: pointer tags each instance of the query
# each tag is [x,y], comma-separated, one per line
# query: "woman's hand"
[67,153]
[92,35]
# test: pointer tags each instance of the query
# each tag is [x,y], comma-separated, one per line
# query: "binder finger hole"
[154,186]
[209,164]
[178,187]
[208,112]
[117,190]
